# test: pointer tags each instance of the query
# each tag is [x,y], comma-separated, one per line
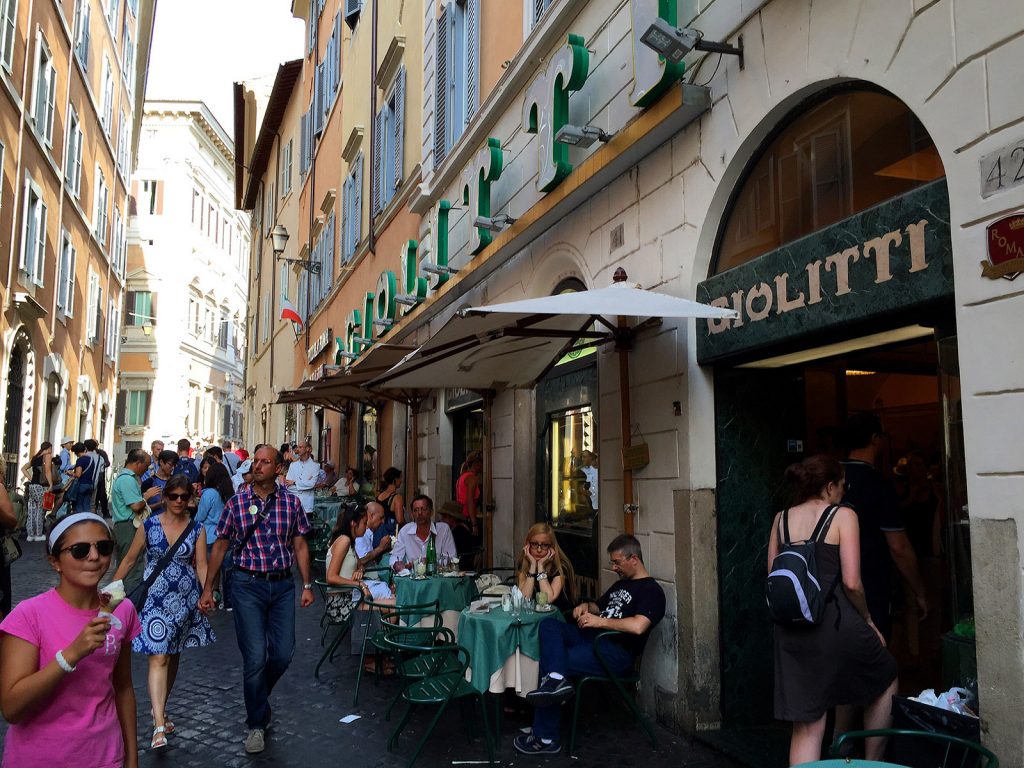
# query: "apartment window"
[457,73]
[223,333]
[388,145]
[107,98]
[117,255]
[82,33]
[66,275]
[265,319]
[193,315]
[352,10]
[112,9]
[282,279]
[93,311]
[73,159]
[268,214]
[124,139]
[128,54]
[136,407]
[139,309]
[112,344]
[152,197]
[101,202]
[285,182]
[44,92]
[9,22]
[352,210]
[33,233]
[535,10]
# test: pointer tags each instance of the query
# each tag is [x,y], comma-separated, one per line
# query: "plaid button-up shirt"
[270,547]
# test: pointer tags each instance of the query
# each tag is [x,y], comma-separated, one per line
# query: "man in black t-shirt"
[633,606]
[883,540]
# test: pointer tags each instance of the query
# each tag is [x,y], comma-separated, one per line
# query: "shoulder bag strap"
[166,558]
[784,528]
[248,534]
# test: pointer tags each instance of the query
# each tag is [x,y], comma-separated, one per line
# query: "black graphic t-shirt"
[633,597]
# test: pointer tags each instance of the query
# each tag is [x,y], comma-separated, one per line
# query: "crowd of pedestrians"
[194,531]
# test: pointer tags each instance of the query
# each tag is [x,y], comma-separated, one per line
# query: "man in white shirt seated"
[368,554]
[411,542]
[302,476]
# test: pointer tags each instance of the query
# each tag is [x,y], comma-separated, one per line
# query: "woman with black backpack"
[828,653]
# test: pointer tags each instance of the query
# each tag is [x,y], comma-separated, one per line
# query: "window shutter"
[148,394]
[98,321]
[357,206]
[152,309]
[69,305]
[538,11]
[119,408]
[40,265]
[375,180]
[399,125]
[472,58]
[441,89]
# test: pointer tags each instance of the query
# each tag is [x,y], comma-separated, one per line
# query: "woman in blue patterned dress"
[171,619]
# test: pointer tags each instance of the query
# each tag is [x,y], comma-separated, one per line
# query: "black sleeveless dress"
[839,661]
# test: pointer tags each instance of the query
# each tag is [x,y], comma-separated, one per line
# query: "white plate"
[545,608]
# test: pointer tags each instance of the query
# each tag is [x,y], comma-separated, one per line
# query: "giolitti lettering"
[828,277]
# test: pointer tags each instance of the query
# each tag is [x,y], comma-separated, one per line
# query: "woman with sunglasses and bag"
[170,617]
[39,473]
[65,667]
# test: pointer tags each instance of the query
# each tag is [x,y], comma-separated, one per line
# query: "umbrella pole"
[622,345]
[487,500]
[412,460]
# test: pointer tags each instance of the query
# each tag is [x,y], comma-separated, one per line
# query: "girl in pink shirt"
[65,672]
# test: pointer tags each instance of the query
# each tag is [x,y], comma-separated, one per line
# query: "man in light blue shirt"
[66,462]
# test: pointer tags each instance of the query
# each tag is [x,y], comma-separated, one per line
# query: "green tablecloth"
[452,593]
[327,508]
[491,638]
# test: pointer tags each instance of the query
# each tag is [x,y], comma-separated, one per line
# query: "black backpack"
[794,594]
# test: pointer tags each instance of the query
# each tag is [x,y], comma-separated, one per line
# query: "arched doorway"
[835,250]
[18,407]
[52,418]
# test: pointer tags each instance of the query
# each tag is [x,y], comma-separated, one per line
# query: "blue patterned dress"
[171,619]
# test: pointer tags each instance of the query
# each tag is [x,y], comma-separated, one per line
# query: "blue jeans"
[569,651]
[83,499]
[265,629]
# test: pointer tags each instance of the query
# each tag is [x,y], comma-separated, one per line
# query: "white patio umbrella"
[513,345]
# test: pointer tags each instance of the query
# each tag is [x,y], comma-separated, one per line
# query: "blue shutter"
[441,89]
[399,125]
[357,206]
[472,57]
[346,219]
[375,177]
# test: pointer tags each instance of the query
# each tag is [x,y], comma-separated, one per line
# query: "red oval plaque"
[1005,240]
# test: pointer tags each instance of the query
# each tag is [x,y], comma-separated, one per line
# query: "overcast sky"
[200,47]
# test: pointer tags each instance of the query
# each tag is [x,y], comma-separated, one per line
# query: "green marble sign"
[893,257]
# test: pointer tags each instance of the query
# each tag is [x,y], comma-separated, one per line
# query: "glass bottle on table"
[431,557]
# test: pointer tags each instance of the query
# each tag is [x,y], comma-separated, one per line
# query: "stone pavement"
[206,706]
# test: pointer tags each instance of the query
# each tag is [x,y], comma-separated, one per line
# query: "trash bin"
[919,753]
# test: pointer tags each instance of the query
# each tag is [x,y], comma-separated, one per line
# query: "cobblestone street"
[206,706]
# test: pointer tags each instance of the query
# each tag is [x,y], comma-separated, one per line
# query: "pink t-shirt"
[78,726]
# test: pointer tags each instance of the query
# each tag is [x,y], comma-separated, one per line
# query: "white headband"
[67,522]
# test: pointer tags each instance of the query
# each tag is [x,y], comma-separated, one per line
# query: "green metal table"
[504,649]
[453,593]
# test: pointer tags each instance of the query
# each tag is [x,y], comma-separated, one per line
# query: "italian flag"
[288,312]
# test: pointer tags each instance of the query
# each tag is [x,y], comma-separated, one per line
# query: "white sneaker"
[254,741]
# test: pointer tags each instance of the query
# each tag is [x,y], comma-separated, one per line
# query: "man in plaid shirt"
[265,527]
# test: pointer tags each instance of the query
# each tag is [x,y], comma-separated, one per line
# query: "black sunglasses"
[80,551]
[177,496]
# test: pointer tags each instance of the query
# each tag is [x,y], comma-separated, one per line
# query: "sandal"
[168,723]
[159,740]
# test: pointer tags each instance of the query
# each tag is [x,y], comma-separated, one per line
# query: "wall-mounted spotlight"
[437,269]
[494,223]
[581,136]
[407,299]
[384,322]
[675,42]
[348,355]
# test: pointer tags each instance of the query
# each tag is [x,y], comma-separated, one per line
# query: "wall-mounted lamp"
[348,355]
[407,299]
[494,223]
[581,136]
[279,239]
[437,269]
[362,340]
[675,42]
[384,322]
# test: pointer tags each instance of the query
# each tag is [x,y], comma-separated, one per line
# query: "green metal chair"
[959,753]
[414,665]
[327,621]
[444,682]
[619,682]
[393,613]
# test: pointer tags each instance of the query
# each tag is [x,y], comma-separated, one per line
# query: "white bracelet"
[63,663]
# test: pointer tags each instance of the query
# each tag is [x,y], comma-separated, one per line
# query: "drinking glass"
[542,601]
[421,567]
